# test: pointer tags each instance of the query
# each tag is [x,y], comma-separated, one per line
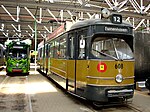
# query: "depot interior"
[36,19]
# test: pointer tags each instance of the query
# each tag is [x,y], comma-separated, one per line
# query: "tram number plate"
[117,19]
[119,66]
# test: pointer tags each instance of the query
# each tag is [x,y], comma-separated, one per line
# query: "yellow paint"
[71,69]
[46,63]
[111,72]
[84,68]
[58,66]
[81,72]
[101,67]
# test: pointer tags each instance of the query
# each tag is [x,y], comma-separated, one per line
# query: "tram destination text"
[116,29]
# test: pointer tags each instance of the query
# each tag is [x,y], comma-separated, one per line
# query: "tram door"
[71,63]
[81,62]
[76,64]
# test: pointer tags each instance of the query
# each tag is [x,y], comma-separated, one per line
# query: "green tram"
[17,57]
[93,60]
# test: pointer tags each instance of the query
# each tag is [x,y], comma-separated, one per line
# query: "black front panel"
[100,93]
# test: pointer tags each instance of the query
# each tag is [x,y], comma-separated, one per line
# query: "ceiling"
[38,18]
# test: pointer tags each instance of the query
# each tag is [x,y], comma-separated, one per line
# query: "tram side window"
[82,34]
[52,48]
[81,47]
[42,52]
[62,51]
[46,51]
[56,49]
[71,45]
[38,53]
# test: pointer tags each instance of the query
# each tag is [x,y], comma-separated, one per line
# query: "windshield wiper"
[102,53]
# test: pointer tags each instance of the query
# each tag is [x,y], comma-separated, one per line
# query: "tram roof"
[91,22]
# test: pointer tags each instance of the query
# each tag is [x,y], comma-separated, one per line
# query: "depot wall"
[142,56]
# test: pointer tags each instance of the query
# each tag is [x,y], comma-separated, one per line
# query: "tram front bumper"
[103,93]
[119,93]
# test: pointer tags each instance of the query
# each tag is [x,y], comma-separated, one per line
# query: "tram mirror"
[82,43]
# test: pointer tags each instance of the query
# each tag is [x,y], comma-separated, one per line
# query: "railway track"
[115,108]
[134,108]
[14,96]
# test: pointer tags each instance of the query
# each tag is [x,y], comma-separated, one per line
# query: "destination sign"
[115,29]
[18,47]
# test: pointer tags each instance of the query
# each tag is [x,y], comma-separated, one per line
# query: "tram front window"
[111,48]
[123,50]
[18,53]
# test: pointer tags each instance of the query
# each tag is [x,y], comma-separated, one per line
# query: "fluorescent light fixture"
[18,11]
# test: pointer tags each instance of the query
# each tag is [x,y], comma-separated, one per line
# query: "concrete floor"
[141,100]
[36,93]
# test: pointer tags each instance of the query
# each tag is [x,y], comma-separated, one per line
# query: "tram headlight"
[105,13]
[119,78]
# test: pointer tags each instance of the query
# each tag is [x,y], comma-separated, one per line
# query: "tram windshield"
[18,53]
[111,48]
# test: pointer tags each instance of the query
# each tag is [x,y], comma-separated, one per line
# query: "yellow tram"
[93,60]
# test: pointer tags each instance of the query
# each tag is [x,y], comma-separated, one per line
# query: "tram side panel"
[82,71]
[58,71]
[71,75]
